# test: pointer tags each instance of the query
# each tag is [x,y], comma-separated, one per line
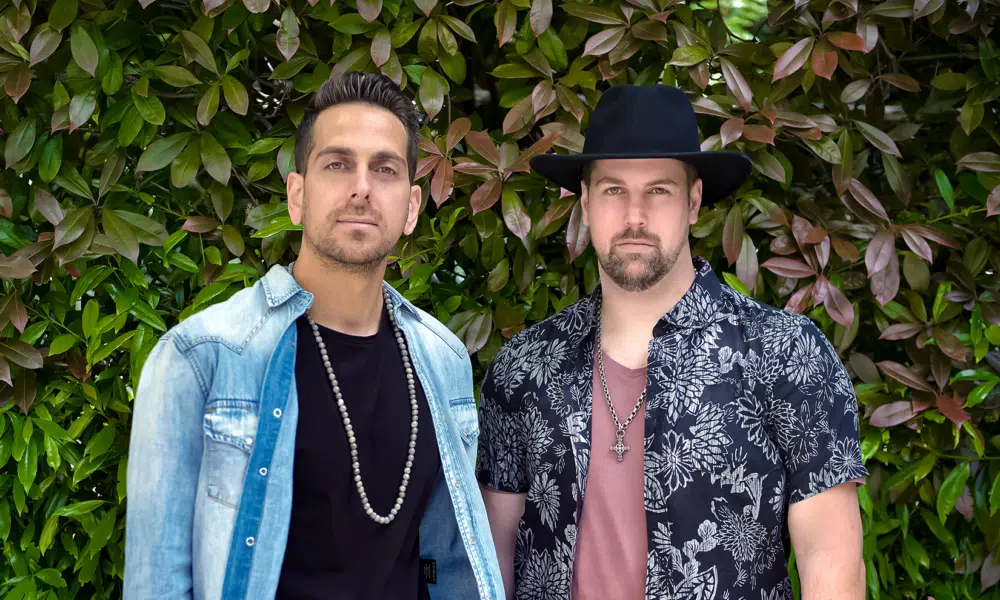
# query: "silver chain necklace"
[619,448]
[350,430]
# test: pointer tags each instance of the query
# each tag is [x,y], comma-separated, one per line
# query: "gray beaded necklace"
[347,420]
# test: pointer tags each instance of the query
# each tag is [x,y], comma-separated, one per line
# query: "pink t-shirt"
[611,540]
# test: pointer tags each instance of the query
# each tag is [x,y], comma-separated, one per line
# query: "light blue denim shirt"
[213,440]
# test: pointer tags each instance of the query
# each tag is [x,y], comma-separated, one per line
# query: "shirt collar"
[280,287]
[697,309]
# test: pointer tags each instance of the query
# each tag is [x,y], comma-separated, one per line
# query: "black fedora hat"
[650,121]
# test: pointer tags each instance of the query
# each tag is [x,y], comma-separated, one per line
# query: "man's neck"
[343,300]
[628,318]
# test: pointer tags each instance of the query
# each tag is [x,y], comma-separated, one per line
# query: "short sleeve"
[817,417]
[501,464]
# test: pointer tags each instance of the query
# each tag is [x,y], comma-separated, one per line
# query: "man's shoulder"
[781,329]
[231,322]
[438,330]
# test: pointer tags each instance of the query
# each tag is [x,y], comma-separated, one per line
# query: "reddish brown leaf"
[952,347]
[577,233]
[428,164]
[442,184]
[731,131]
[867,199]
[518,117]
[838,306]
[847,41]
[543,95]
[855,91]
[514,214]
[601,43]
[570,102]
[885,283]
[48,206]
[653,31]
[820,290]
[486,195]
[951,407]
[879,139]
[903,82]
[806,233]
[381,46]
[934,235]
[940,365]
[903,375]
[484,145]
[457,132]
[700,74]
[759,133]
[17,82]
[845,250]
[5,372]
[993,203]
[540,16]
[793,59]
[505,21]
[737,84]
[788,267]
[799,300]
[15,267]
[25,390]
[990,573]
[746,265]
[881,249]
[369,9]
[200,224]
[542,146]
[6,204]
[893,413]
[473,168]
[732,234]
[783,245]
[822,252]
[983,162]
[824,60]
[901,331]
[917,244]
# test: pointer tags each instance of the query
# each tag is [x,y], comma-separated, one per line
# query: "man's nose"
[362,187]
[635,212]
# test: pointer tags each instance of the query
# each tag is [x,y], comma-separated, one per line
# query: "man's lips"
[356,222]
[634,243]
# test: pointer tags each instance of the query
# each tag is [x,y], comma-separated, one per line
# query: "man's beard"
[345,256]
[654,268]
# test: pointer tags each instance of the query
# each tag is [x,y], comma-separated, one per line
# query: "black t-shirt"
[335,551]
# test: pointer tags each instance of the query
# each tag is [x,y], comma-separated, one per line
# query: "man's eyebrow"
[664,181]
[389,155]
[613,181]
[343,151]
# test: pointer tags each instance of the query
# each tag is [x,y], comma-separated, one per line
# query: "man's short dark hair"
[369,88]
[689,170]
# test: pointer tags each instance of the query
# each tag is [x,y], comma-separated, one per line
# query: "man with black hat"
[667,437]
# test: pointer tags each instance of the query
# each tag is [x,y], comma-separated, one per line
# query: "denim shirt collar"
[280,287]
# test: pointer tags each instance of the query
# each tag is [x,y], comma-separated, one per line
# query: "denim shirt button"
[277,413]
[250,541]
[263,471]
[249,441]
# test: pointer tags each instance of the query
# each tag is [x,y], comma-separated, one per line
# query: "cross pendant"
[620,448]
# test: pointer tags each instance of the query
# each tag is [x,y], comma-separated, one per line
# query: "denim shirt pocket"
[230,427]
[467,418]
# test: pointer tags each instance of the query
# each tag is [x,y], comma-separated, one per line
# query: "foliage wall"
[145,145]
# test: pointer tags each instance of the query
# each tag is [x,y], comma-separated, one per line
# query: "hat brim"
[721,173]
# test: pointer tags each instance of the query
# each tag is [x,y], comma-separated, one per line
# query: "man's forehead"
[360,126]
[641,168]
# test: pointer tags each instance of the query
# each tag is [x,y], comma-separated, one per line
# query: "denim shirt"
[213,441]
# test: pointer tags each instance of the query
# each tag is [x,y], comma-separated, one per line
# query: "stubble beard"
[654,268]
[340,255]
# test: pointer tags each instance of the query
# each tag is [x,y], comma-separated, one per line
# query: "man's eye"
[386,170]
[613,191]
[336,165]
[659,190]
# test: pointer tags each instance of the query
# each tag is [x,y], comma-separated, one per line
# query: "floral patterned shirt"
[749,409]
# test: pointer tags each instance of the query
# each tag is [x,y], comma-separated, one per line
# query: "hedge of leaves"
[145,145]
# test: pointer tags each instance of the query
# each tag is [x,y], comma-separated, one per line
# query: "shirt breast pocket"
[467,418]
[230,427]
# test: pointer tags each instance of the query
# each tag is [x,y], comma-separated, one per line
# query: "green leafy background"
[145,145]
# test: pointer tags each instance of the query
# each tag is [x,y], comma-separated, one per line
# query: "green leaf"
[48,533]
[994,496]
[150,108]
[4,519]
[102,534]
[78,509]
[62,13]
[72,226]
[459,27]
[282,223]
[979,393]
[27,467]
[91,312]
[236,59]
[100,443]
[162,152]
[945,188]
[45,43]
[147,315]
[199,50]
[51,159]
[113,79]
[83,48]
[289,69]
[184,169]
[208,105]
[433,87]
[62,344]
[107,350]
[176,76]
[951,489]
[215,159]
[120,234]
[52,576]
[71,180]
[236,95]
[688,56]
[19,142]
[260,169]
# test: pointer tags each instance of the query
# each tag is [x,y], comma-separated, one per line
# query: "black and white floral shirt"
[749,409]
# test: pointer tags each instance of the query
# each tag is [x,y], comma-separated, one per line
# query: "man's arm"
[504,510]
[828,541]
[164,462]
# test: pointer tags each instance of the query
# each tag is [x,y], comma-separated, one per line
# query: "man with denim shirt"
[314,436]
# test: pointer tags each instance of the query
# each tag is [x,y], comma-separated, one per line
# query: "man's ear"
[413,210]
[585,203]
[295,188]
[694,201]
